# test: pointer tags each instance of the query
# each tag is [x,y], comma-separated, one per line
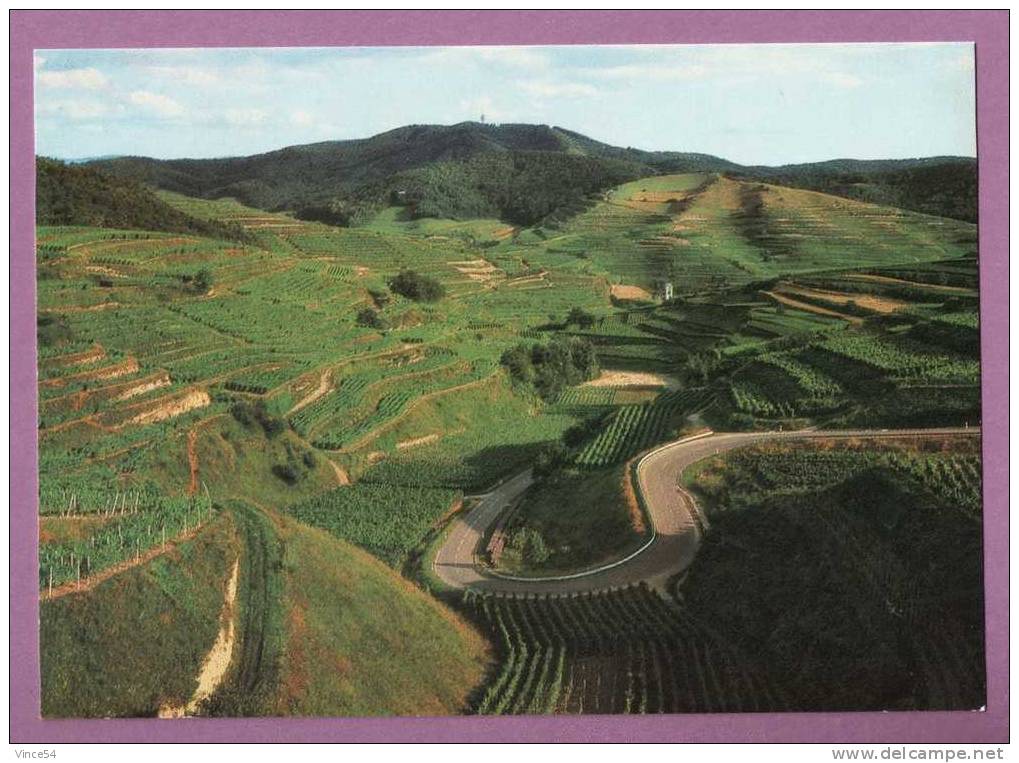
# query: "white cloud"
[160,104]
[542,89]
[245,117]
[735,63]
[74,109]
[84,79]
[185,75]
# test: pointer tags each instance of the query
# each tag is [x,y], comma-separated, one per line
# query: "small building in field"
[663,290]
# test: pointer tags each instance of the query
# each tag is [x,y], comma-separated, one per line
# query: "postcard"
[493,380]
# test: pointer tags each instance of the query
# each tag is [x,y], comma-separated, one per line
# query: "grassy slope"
[237,461]
[138,640]
[312,636]
[583,515]
[485,433]
[251,684]
[363,641]
[395,220]
[636,236]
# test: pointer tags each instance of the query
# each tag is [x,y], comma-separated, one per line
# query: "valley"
[396,426]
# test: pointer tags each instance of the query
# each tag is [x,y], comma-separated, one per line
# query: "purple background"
[123,29]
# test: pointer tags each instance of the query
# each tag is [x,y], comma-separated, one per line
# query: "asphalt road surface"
[673,511]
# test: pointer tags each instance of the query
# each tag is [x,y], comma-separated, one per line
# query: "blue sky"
[755,104]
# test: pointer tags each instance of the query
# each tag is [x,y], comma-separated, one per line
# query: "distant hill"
[69,194]
[941,185]
[519,172]
[522,173]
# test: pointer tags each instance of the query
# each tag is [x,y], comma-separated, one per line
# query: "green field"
[583,518]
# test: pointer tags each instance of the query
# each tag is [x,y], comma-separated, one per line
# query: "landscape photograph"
[580,380]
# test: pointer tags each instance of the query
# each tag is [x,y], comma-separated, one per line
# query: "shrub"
[297,466]
[420,288]
[249,414]
[370,318]
[740,421]
[288,472]
[530,544]
[199,283]
[517,361]
[550,458]
[243,412]
[203,280]
[53,329]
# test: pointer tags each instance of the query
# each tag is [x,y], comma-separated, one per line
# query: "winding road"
[675,517]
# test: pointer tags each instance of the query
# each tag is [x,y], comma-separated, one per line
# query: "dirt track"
[325,385]
[673,511]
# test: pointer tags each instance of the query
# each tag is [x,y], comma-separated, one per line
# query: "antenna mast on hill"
[482,119]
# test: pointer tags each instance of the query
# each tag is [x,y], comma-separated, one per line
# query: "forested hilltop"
[68,194]
[524,174]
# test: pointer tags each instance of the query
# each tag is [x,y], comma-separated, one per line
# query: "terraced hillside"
[708,232]
[250,390]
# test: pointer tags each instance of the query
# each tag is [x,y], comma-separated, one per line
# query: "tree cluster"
[371,318]
[551,368]
[199,282]
[414,285]
[297,465]
[522,187]
[580,318]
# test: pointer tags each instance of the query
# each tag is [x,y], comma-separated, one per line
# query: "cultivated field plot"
[625,651]
[634,428]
